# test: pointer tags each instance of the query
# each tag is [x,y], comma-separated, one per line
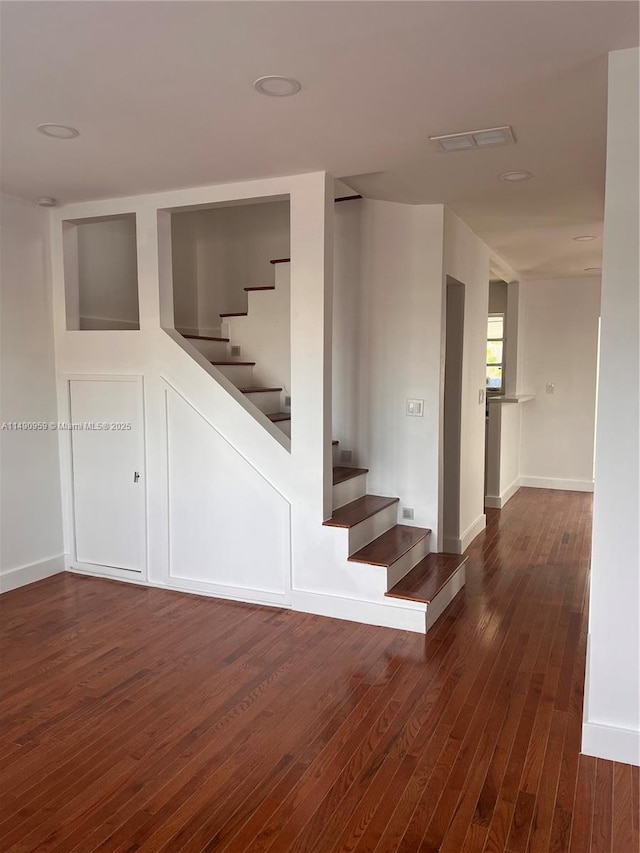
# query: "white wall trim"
[388,615]
[23,575]
[557,483]
[611,743]
[459,546]
[109,323]
[498,501]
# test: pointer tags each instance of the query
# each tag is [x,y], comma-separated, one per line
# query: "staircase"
[375,539]
[262,328]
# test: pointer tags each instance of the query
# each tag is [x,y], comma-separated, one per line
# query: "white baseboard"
[23,575]
[611,743]
[406,616]
[454,545]
[557,483]
[498,501]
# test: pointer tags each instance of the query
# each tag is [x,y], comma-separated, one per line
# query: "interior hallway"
[141,719]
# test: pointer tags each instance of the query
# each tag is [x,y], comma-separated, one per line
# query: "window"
[495,353]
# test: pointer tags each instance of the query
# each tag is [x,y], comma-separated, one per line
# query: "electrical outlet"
[235,351]
[415,408]
[346,455]
[407,513]
[287,401]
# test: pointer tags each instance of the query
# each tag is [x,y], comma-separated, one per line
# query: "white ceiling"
[162,95]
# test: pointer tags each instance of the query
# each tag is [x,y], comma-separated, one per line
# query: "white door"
[107,445]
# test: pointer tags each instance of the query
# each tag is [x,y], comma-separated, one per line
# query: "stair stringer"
[192,354]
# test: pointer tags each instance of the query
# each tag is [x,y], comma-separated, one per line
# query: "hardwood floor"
[143,720]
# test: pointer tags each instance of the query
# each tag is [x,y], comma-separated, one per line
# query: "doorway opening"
[452,430]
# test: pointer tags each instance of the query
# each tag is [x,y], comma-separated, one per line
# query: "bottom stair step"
[391,546]
[427,578]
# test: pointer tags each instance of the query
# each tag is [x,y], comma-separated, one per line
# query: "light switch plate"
[415,408]
[550,388]
[481,394]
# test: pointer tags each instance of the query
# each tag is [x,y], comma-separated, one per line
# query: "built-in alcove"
[101,274]
[219,251]
[231,292]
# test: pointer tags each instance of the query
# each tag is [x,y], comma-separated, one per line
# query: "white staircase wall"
[264,335]
[225,498]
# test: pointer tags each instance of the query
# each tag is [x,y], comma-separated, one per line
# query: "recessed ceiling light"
[517,175]
[276,86]
[59,131]
[584,238]
[593,269]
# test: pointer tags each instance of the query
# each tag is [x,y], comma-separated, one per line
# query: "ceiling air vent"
[474,139]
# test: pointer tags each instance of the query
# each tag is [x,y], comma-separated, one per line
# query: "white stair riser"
[240,374]
[372,527]
[446,595]
[267,401]
[211,350]
[349,491]
[336,454]
[401,567]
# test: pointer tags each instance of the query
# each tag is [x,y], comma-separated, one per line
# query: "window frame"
[496,392]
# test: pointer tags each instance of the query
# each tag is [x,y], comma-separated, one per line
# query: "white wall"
[400,352]
[612,708]
[559,332]
[466,258]
[108,275]
[185,271]
[347,326]
[221,251]
[504,428]
[30,512]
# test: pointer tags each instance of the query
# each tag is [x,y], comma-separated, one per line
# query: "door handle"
[136,476]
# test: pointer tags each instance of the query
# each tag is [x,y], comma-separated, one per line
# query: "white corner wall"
[559,333]
[466,259]
[30,510]
[612,691]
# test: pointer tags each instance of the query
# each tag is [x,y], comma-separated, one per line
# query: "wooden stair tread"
[341,474]
[234,363]
[386,549]
[205,338]
[427,578]
[276,417]
[267,287]
[359,510]
[257,390]
[280,261]
[235,314]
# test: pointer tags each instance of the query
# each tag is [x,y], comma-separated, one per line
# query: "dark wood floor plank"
[138,719]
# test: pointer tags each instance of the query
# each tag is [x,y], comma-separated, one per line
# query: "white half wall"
[559,332]
[612,690]
[30,509]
